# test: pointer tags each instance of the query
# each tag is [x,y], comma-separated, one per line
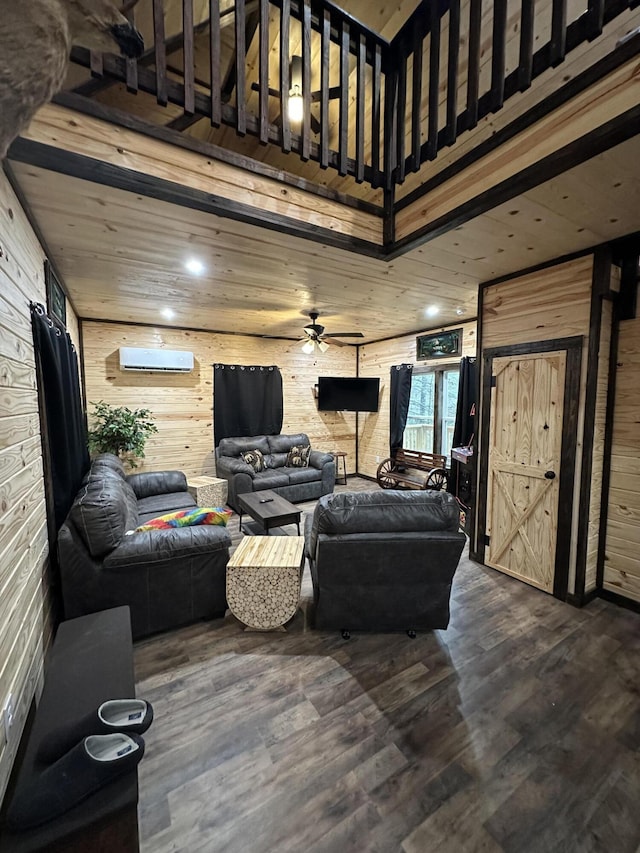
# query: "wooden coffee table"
[269,509]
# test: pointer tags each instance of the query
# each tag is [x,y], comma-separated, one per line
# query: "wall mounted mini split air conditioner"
[162,360]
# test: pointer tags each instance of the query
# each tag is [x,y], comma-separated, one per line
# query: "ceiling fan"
[315,338]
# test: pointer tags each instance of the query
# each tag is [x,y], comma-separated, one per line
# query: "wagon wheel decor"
[437,479]
[386,467]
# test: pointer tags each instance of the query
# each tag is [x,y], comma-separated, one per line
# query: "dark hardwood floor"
[516,730]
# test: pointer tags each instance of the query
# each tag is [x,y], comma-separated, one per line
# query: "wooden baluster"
[188,57]
[558,32]
[96,63]
[131,64]
[390,125]
[498,53]
[473,73]
[434,81]
[402,110]
[306,79]
[241,83]
[263,72]
[525,66]
[343,143]
[362,59]
[161,52]
[452,72]
[416,107]
[325,49]
[595,11]
[214,47]
[285,17]
[375,115]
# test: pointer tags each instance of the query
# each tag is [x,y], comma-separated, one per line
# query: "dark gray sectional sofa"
[294,484]
[167,577]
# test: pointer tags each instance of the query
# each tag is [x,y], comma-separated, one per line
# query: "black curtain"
[399,404]
[247,400]
[464,429]
[64,434]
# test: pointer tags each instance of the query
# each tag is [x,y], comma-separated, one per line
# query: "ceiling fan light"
[307,347]
[296,106]
[322,346]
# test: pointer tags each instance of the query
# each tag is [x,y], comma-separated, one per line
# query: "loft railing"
[332,61]
[451,53]
[368,108]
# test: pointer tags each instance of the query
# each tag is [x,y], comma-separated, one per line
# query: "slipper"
[131,716]
[91,764]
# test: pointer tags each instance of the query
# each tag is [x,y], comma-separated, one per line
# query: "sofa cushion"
[275,460]
[240,444]
[303,475]
[160,504]
[103,511]
[284,443]
[255,459]
[270,480]
[391,511]
[298,456]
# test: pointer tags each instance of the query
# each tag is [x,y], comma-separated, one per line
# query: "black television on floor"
[347,394]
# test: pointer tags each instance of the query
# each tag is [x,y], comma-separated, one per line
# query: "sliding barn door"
[525,443]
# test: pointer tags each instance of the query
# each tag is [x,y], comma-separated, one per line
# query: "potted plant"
[121,431]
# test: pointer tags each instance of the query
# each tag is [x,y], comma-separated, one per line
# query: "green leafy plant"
[121,431]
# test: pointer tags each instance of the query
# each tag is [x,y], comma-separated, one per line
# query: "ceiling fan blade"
[333,343]
[344,335]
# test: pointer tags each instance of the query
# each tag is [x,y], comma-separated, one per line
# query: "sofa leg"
[346,635]
[411,634]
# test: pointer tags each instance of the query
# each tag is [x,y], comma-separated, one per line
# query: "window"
[432,409]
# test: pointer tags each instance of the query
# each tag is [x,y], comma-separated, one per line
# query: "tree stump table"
[208,491]
[263,580]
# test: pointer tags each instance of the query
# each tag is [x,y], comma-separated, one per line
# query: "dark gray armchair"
[167,577]
[383,561]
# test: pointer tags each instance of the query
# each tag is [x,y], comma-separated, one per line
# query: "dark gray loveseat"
[294,484]
[383,561]
[167,577]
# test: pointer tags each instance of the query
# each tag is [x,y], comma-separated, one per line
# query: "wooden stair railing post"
[215,60]
[325,50]
[525,65]
[160,53]
[285,83]
[416,105]
[343,143]
[188,57]
[263,72]
[241,59]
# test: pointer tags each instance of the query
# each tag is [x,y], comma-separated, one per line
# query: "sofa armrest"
[157,483]
[229,465]
[318,459]
[154,546]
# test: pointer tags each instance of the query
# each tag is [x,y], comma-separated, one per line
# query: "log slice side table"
[208,491]
[263,580]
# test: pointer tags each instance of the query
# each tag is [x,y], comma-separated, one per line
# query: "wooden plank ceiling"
[122,256]
[386,20]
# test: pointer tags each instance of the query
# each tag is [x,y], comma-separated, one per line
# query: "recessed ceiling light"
[194,266]
[168,313]
[432,310]
[459,311]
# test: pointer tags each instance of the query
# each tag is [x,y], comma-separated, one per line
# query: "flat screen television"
[347,394]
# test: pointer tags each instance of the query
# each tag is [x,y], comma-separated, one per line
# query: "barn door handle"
[550,475]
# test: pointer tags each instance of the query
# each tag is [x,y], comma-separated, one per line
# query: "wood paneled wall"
[622,559]
[376,360]
[24,622]
[182,404]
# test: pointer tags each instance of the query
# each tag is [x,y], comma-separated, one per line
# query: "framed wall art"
[439,345]
[56,300]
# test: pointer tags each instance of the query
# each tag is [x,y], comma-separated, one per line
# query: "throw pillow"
[188,518]
[255,459]
[298,456]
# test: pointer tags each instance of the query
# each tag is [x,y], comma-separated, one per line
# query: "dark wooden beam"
[473,74]
[607,136]
[525,67]
[401,113]
[498,51]
[434,81]
[375,113]
[183,122]
[207,149]
[558,32]
[107,174]
[416,101]
[343,142]
[325,49]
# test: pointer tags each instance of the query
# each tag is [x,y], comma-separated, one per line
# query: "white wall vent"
[163,360]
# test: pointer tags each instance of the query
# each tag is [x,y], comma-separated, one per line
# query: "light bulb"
[322,346]
[432,310]
[194,266]
[307,347]
[296,105]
